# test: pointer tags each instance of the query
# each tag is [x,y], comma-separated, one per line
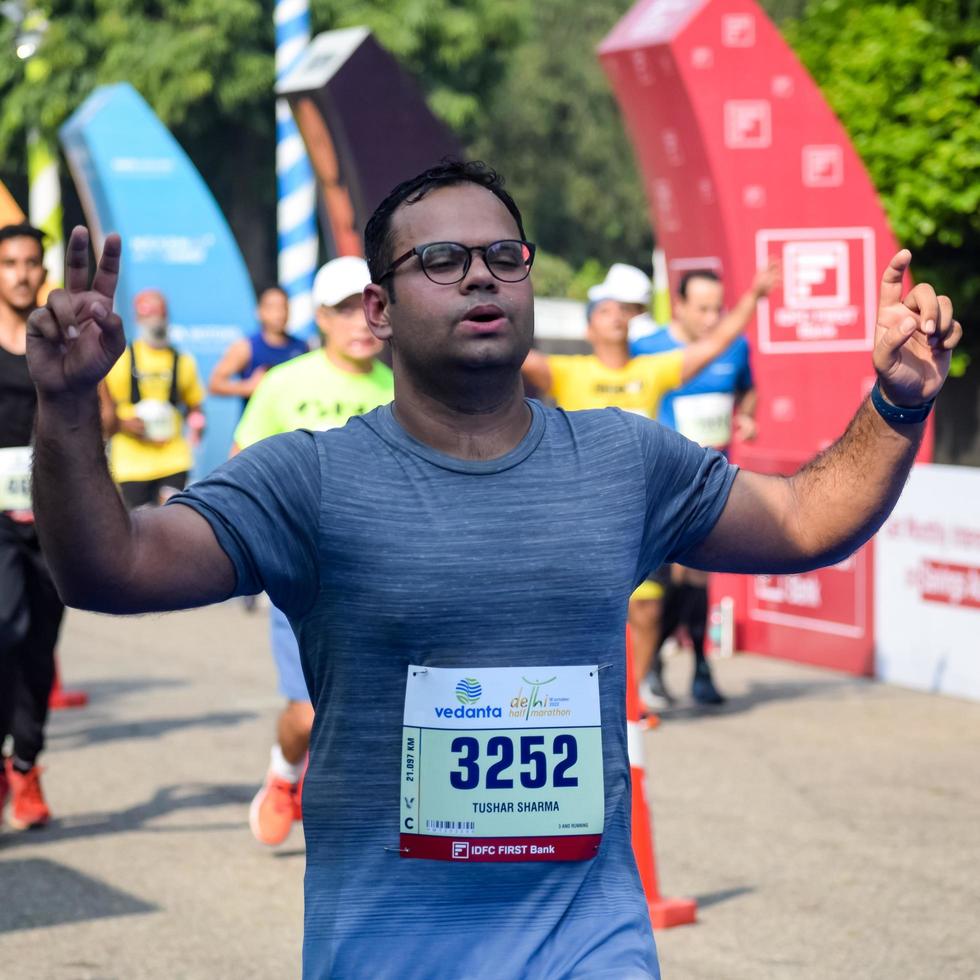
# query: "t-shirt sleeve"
[264,508]
[258,421]
[687,488]
[189,381]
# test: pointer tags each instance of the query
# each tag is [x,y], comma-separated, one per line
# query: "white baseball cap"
[340,278]
[624,283]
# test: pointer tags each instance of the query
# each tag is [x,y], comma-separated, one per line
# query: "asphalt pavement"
[827,826]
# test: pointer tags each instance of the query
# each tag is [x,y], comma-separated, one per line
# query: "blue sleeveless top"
[267,356]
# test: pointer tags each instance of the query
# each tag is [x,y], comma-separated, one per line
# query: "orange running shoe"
[27,806]
[273,810]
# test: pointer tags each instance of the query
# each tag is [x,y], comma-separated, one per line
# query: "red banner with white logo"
[744,161]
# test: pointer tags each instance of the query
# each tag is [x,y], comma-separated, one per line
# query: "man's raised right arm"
[103,558]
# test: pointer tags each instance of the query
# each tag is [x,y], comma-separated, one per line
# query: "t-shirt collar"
[389,428]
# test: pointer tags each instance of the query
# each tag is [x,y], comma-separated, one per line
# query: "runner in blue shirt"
[704,410]
[456,566]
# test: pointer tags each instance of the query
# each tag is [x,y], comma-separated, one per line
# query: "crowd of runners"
[425,519]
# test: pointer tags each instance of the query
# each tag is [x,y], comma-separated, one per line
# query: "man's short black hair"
[272,287]
[695,274]
[377,235]
[23,230]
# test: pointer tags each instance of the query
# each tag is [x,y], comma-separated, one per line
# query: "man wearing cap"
[632,287]
[144,400]
[245,362]
[316,391]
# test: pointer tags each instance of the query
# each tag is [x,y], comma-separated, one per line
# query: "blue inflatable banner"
[133,177]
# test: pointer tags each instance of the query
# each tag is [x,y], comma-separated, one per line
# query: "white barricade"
[927,584]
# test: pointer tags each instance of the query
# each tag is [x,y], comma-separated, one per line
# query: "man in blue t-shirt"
[705,410]
[456,567]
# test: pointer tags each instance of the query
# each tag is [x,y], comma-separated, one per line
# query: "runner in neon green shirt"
[319,390]
[311,392]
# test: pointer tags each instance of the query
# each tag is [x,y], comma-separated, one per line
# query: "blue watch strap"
[899,414]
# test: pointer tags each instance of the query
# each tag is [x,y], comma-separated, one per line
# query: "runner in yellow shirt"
[144,400]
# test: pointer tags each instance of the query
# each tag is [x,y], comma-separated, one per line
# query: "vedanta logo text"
[461,712]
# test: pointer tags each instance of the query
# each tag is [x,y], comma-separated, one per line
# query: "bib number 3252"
[502,764]
[501,756]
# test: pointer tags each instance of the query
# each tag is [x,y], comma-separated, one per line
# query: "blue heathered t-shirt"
[729,374]
[385,553]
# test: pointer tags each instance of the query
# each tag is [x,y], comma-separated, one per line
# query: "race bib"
[502,764]
[15,478]
[705,419]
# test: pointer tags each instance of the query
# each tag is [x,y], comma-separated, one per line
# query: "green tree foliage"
[195,61]
[207,69]
[904,78]
[553,129]
[458,49]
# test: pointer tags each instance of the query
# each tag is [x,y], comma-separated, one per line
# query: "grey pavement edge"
[828,826]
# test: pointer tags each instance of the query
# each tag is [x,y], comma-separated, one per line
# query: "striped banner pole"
[44,202]
[298,240]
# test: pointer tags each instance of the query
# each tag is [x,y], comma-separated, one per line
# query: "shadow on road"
[97,734]
[50,894]
[759,694]
[726,894]
[165,801]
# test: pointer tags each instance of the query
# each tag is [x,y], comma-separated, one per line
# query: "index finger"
[891,281]
[107,273]
[76,261]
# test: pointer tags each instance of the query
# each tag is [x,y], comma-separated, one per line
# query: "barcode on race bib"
[449,826]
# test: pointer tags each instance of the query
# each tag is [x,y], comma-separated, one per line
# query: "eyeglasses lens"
[447,262]
[444,262]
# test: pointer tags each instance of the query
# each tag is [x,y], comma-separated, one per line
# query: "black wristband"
[899,414]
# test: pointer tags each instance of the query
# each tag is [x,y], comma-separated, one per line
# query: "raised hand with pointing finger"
[75,338]
[914,338]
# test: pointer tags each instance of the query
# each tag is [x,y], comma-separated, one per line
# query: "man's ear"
[376,310]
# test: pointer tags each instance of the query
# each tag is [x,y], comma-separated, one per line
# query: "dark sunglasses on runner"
[446,263]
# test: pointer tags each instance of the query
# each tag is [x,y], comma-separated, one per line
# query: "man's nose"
[478,275]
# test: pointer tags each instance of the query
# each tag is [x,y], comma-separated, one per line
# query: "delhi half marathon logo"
[468,691]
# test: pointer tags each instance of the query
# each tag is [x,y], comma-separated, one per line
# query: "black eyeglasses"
[446,263]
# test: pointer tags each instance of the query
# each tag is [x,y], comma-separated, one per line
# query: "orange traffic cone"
[60,698]
[664,912]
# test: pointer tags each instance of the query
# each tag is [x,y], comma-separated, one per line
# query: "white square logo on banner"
[816,275]
[738,30]
[823,166]
[748,124]
[828,296]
